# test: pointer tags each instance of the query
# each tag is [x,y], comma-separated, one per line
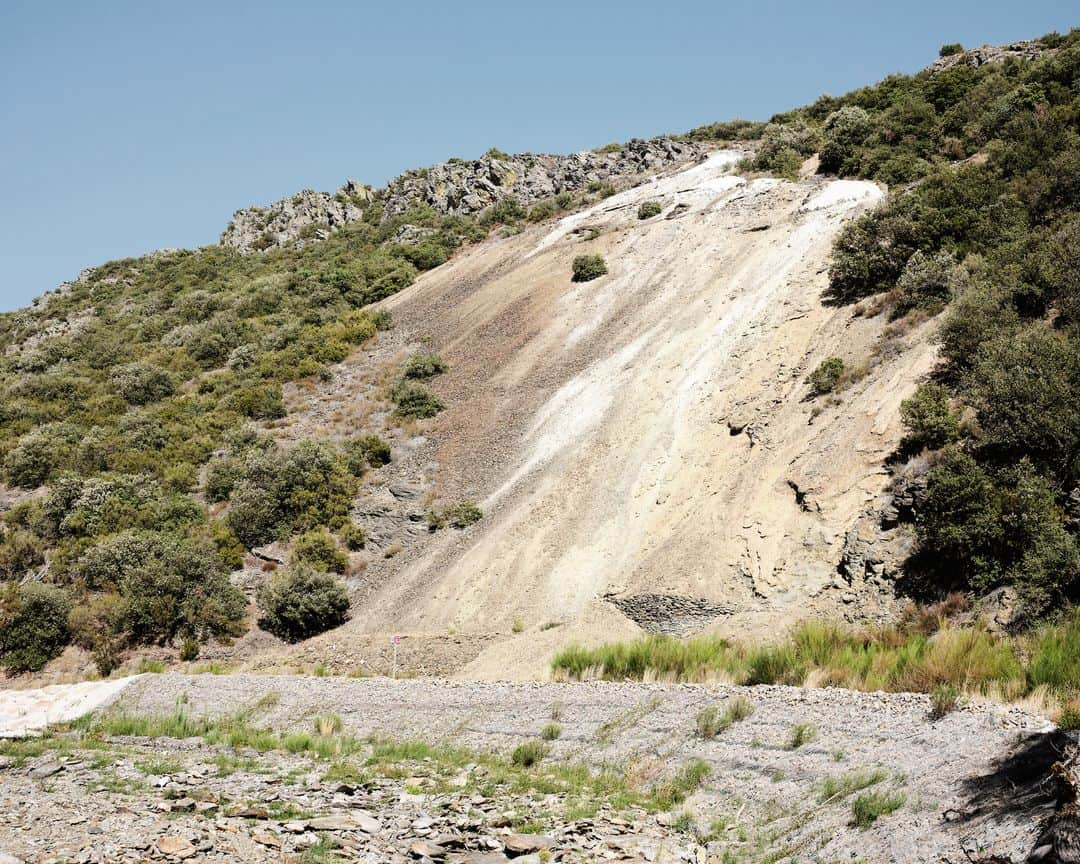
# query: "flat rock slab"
[28,712]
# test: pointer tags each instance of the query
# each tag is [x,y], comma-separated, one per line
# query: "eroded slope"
[642,444]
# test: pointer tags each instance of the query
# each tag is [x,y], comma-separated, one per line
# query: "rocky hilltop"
[458,186]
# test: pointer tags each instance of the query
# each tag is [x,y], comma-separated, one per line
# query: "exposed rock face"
[669,613]
[466,187]
[881,539]
[457,186]
[1026,49]
[305,216]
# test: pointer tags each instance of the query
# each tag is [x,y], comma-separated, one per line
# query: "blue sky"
[130,126]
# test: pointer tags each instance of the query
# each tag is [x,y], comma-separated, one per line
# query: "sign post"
[393,668]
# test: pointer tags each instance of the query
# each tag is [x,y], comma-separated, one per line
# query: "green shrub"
[301,603]
[257,403]
[20,551]
[950,48]
[221,476]
[33,625]
[425,366]
[925,281]
[785,144]
[141,383]
[354,536]
[648,209]
[415,401]
[463,514]
[588,267]
[286,490]
[169,585]
[366,451]
[826,376]
[318,550]
[927,419]
[541,211]
[844,131]
[425,255]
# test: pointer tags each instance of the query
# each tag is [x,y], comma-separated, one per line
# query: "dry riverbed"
[305,769]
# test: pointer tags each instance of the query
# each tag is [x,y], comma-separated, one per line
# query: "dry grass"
[922,652]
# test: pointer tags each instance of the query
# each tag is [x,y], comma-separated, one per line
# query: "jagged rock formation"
[461,186]
[305,216]
[457,186]
[1026,49]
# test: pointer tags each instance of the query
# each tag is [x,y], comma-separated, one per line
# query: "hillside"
[711,383]
[641,445]
[721,492]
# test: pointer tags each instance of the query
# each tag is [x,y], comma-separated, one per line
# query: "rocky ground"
[291,768]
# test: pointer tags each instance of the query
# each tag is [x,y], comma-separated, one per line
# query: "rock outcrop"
[1027,49]
[293,221]
[458,186]
[464,187]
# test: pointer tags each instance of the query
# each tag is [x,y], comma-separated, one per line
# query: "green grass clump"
[711,722]
[686,780]
[847,784]
[234,731]
[801,733]
[528,753]
[871,806]
[551,732]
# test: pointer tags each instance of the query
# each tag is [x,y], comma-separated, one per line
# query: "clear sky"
[131,125]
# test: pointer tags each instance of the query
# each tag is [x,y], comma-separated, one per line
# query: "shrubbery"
[415,401]
[33,625]
[318,550]
[648,209]
[166,586]
[302,603]
[785,145]
[844,131]
[588,267]
[422,366]
[366,451]
[141,383]
[281,491]
[826,376]
[928,420]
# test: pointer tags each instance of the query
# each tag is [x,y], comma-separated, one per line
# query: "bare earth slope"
[642,444]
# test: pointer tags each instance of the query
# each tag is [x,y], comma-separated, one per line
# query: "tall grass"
[919,654]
